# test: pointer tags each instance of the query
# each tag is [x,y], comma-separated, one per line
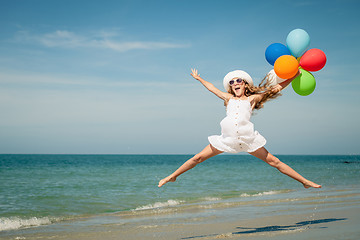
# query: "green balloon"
[304,84]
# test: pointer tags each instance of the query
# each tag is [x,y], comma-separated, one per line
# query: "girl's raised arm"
[275,89]
[280,86]
[210,86]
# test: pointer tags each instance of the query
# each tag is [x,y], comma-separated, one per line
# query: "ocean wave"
[204,200]
[14,223]
[261,193]
[168,203]
[211,199]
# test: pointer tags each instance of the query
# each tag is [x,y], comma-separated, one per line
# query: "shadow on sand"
[287,227]
[275,228]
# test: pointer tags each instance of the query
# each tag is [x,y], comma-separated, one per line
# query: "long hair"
[264,88]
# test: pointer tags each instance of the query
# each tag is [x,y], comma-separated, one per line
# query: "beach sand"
[323,224]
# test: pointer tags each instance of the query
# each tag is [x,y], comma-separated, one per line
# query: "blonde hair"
[263,88]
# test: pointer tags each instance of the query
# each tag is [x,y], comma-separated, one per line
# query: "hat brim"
[236,74]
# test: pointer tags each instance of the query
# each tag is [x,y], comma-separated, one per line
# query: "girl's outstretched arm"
[280,86]
[275,89]
[210,86]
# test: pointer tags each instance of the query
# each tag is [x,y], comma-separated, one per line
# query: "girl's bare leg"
[208,152]
[273,161]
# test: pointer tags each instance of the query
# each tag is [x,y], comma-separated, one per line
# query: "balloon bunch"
[287,60]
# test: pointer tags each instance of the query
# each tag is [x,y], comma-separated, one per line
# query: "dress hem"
[216,143]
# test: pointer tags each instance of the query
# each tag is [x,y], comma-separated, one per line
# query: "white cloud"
[61,39]
[101,40]
[126,46]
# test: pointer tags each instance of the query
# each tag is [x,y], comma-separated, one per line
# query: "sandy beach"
[326,225]
[332,224]
[336,217]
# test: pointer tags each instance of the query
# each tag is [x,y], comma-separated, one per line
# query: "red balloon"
[313,60]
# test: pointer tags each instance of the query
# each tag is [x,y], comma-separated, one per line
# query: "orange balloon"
[286,66]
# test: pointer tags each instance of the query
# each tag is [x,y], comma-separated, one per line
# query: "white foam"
[267,193]
[148,226]
[16,223]
[168,203]
[212,199]
[259,194]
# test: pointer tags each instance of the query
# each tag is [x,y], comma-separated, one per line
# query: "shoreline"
[280,216]
[322,225]
[102,197]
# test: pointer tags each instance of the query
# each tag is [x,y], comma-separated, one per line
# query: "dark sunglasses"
[239,80]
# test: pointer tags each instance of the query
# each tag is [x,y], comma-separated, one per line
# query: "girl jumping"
[237,132]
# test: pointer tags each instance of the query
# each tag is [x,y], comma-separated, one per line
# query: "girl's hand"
[277,88]
[195,74]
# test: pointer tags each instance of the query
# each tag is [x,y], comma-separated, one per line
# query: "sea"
[48,190]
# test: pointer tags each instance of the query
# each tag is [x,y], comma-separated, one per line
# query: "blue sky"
[109,77]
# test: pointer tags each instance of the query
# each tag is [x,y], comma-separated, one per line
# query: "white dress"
[237,132]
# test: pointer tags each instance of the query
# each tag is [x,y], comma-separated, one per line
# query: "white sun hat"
[236,74]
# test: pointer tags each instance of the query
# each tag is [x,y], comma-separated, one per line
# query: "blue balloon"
[298,40]
[274,51]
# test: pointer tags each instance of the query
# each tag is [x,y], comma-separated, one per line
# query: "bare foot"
[308,184]
[166,180]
